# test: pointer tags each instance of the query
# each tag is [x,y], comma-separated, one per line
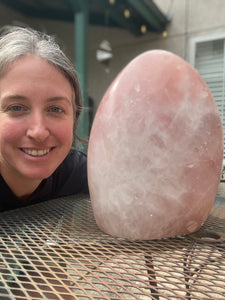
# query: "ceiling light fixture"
[104,54]
[164,34]
[126,13]
[143,29]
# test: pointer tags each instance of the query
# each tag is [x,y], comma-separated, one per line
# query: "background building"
[196,32]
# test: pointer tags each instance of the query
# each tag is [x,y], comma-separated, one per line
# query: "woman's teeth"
[36,152]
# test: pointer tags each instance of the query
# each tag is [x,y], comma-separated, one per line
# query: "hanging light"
[126,13]
[104,54]
[164,34]
[143,29]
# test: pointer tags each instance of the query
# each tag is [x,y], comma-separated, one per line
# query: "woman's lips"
[35,152]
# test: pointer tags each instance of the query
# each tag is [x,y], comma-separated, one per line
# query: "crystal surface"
[155,150]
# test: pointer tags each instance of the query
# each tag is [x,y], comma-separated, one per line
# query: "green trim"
[81,40]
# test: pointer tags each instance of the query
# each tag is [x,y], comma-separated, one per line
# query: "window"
[208,57]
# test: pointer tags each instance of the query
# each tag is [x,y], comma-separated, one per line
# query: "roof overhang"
[137,16]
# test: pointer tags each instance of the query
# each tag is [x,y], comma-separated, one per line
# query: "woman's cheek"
[64,131]
[11,130]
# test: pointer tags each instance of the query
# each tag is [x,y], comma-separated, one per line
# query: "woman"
[40,104]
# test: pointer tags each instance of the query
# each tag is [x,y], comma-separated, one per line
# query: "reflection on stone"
[155,150]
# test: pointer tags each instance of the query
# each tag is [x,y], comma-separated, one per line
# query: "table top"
[54,250]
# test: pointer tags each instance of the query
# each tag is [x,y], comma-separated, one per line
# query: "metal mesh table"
[54,250]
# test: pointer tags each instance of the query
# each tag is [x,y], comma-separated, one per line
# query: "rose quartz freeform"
[155,150]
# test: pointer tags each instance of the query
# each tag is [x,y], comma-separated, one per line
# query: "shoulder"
[76,156]
[75,161]
[7,199]
[71,175]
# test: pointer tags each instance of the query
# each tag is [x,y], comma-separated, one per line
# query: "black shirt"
[69,178]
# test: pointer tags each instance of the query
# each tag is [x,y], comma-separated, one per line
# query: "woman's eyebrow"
[13,97]
[7,99]
[59,98]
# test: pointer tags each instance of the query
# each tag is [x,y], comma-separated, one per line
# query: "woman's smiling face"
[36,119]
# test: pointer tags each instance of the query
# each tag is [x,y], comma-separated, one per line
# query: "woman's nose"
[38,129]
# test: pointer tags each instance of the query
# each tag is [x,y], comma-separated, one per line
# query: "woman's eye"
[56,109]
[16,108]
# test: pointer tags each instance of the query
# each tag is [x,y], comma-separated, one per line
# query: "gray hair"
[16,42]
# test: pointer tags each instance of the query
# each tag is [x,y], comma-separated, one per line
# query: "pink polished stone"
[155,150]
